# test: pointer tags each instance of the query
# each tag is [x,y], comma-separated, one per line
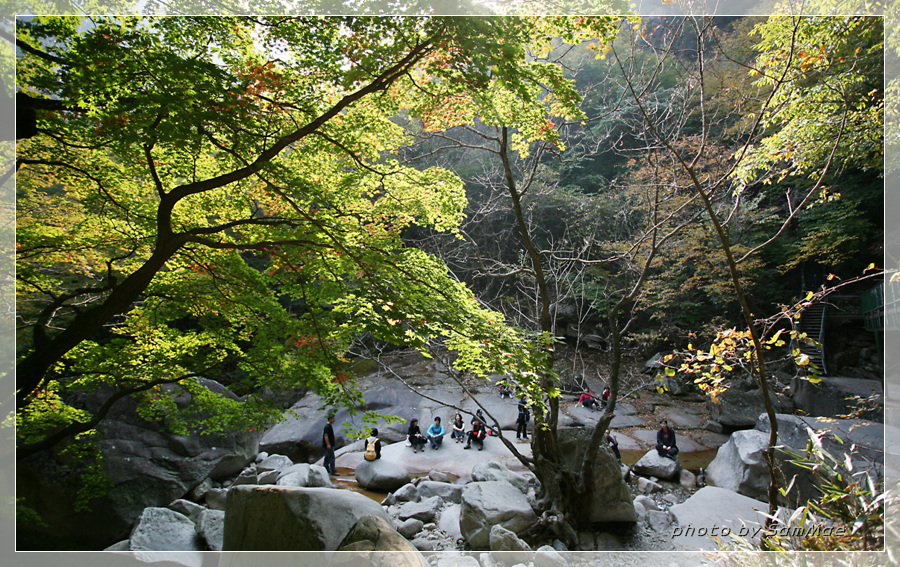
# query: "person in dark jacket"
[477,434]
[614,445]
[665,441]
[522,420]
[416,439]
[328,445]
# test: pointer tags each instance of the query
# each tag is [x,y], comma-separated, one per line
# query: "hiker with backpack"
[373,446]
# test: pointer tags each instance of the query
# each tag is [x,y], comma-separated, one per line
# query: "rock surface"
[280,518]
[486,504]
[381,474]
[739,465]
[492,470]
[709,511]
[739,409]
[146,466]
[833,396]
[211,528]
[161,529]
[652,464]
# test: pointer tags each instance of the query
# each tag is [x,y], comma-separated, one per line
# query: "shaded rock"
[652,464]
[647,486]
[211,528]
[186,507]
[281,518]
[548,556]
[409,527]
[247,476]
[424,510]
[446,492]
[161,529]
[381,475]
[738,409]
[304,475]
[658,521]
[833,396]
[862,441]
[494,471]
[438,476]
[408,493]
[424,544]
[147,466]
[607,542]
[198,492]
[514,550]
[713,507]
[274,463]
[646,502]
[687,479]
[486,504]
[378,531]
[739,465]
[611,500]
[714,426]
[268,477]
[215,498]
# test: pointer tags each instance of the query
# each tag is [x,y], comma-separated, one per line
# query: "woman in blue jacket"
[435,433]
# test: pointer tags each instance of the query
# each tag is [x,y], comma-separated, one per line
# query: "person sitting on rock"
[505,391]
[477,434]
[588,400]
[614,445]
[435,434]
[459,429]
[604,397]
[373,446]
[665,441]
[416,439]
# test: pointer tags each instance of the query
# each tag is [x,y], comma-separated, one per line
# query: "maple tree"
[211,194]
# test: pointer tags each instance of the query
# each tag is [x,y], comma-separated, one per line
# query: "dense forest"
[259,200]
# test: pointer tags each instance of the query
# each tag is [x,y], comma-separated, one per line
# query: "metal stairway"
[812,322]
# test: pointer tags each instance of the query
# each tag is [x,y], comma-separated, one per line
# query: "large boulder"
[652,464]
[492,470]
[486,504]
[211,528]
[834,396]
[372,533]
[162,529]
[860,441]
[146,466]
[716,512]
[738,409]
[304,476]
[610,498]
[280,518]
[739,465]
[381,475]
[424,510]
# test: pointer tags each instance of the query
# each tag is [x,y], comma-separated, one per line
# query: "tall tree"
[206,194]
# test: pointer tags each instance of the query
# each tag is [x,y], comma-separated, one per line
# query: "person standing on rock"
[435,433]
[459,429]
[614,445]
[665,441]
[477,434]
[522,420]
[328,444]
[415,436]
